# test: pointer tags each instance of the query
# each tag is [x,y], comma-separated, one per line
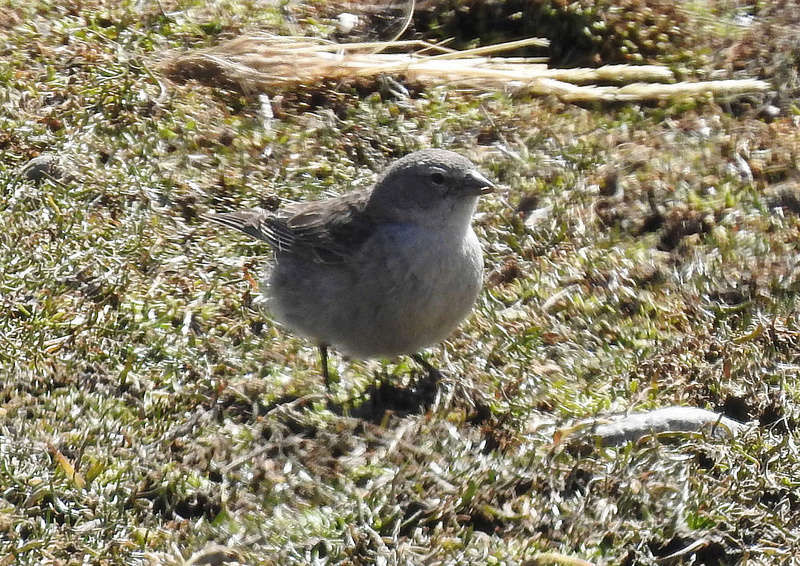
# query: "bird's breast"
[405,289]
[430,280]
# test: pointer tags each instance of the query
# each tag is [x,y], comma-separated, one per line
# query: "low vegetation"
[639,256]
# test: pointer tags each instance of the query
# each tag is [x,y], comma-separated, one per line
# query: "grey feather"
[381,272]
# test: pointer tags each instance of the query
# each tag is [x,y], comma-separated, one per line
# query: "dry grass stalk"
[569,92]
[257,63]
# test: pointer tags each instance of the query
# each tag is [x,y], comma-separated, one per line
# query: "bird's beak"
[479,184]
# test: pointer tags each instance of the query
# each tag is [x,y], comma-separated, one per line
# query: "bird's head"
[432,187]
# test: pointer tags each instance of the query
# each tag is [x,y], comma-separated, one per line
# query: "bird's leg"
[426,389]
[323,359]
[434,375]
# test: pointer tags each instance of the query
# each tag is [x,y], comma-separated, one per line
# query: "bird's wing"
[327,231]
[259,224]
[333,229]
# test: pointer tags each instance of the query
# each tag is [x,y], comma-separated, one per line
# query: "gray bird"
[380,272]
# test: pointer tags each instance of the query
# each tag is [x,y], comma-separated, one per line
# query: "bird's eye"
[437,178]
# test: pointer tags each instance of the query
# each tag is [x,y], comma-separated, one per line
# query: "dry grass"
[271,64]
[638,256]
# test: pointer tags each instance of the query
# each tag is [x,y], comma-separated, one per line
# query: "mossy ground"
[637,257]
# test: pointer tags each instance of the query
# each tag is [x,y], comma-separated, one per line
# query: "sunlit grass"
[636,257]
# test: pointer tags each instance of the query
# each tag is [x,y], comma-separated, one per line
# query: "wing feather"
[327,231]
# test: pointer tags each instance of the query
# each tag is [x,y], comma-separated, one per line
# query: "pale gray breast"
[427,287]
[406,288]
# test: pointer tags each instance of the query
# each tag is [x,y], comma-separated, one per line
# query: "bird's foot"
[431,381]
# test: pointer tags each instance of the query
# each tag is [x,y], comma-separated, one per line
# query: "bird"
[379,272]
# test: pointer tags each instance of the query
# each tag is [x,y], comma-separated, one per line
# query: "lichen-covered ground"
[638,256]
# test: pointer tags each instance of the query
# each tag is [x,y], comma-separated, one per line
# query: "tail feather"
[257,224]
[247,221]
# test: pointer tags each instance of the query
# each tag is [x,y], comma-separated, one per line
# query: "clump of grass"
[642,256]
[582,33]
[273,64]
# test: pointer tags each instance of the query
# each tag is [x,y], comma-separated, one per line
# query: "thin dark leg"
[434,374]
[427,387]
[323,358]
